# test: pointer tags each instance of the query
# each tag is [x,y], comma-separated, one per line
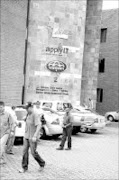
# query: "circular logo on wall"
[56,66]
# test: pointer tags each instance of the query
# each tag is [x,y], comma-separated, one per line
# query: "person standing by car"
[11,139]
[67,130]
[6,130]
[90,104]
[32,129]
[37,107]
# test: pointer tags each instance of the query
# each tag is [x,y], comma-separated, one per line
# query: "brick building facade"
[13,23]
[108,76]
[13,34]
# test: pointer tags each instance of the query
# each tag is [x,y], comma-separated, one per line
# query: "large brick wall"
[91,51]
[109,80]
[13,32]
[55,24]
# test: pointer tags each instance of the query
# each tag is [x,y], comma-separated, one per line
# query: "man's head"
[13,107]
[2,106]
[29,107]
[67,110]
[37,104]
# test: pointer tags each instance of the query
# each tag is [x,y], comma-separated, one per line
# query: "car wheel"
[83,129]
[110,118]
[93,130]
[75,130]
[56,136]
[43,133]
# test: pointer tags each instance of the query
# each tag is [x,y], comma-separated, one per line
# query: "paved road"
[93,157]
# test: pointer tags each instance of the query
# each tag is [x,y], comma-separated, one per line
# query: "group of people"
[32,131]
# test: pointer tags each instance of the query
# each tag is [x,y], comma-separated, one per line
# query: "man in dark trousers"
[67,130]
[32,129]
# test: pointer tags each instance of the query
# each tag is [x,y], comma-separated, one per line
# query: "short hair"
[37,103]
[13,107]
[2,103]
[29,104]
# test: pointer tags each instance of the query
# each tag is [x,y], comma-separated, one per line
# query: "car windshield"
[20,115]
[63,106]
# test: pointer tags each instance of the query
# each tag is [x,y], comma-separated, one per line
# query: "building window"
[101,65]
[103,35]
[99,95]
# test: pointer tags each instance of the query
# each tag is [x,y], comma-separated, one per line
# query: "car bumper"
[53,130]
[19,132]
[95,126]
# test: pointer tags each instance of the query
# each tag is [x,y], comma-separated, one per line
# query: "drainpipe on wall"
[25,52]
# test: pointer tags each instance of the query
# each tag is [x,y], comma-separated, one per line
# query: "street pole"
[25,53]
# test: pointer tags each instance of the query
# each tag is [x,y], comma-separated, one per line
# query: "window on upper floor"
[103,35]
[99,95]
[101,65]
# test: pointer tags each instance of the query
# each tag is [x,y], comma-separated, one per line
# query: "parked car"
[19,114]
[20,129]
[51,123]
[111,116]
[83,119]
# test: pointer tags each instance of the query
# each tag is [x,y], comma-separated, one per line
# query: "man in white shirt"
[11,139]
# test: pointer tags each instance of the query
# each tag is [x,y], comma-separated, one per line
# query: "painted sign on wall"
[56,51]
[56,66]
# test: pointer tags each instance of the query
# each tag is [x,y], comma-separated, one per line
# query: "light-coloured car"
[51,123]
[19,115]
[20,129]
[52,117]
[83,119]
[111,116]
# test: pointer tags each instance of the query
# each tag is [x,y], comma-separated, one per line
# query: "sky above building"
[110,4]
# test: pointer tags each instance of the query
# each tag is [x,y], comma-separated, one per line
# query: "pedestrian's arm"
[12,123]
[37,124]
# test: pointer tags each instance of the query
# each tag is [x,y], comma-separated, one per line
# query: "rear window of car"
[20,115]
[47,104]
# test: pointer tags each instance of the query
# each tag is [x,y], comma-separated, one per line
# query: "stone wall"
[55,50]
[91,51]
[13,34]
[109,80]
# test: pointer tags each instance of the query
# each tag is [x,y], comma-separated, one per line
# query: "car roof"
[20,109]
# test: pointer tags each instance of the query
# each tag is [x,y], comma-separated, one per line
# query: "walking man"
[11,139]
[67,130]
[6,130]
[33,126]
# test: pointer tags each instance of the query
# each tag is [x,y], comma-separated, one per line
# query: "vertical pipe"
[25,53]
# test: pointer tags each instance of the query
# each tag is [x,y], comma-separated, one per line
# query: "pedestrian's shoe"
[41,168]
[22,170]
[68,149]
[59,148]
